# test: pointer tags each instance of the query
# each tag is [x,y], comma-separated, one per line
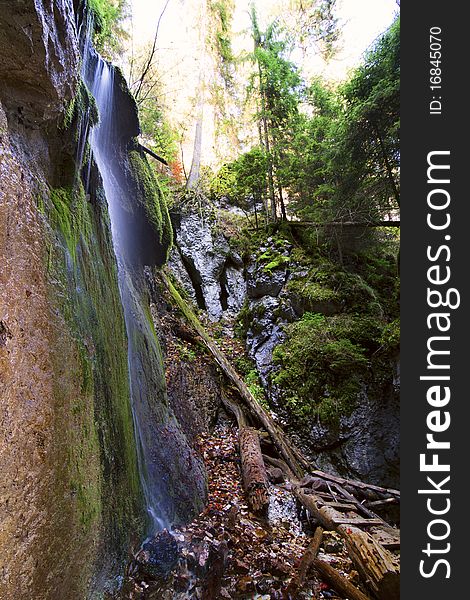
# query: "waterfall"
[104,143]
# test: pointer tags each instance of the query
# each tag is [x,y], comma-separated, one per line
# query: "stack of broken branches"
[334,503]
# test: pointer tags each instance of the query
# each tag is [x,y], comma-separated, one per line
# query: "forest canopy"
[325,154]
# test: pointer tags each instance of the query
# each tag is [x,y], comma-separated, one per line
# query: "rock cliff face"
[71,492]
[210,270]
[365,445]
[39,68]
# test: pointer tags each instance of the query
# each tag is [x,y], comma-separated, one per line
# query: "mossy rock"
[151,196]
[323,363]
[70,214]
[83,105]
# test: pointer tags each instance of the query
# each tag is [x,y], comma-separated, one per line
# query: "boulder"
[264,283]
[158,556]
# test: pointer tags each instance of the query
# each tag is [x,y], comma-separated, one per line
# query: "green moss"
[186,353]
[326,281]
[243,320]
[390,337]
[86,370]
[70,215]
[277,263]
[325,361]
[153,197]
[312,292]
[40,204]
[253,383]
[100,470]
[82,104]
[274,258]
[321,368]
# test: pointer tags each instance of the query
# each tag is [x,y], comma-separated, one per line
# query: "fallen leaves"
[227,552]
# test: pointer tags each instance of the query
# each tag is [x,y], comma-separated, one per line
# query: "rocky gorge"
[257,292]
[109,389]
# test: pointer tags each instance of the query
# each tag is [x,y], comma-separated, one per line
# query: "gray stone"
[236,288]
[215,271]
[366,444]
[179,271]
[264,283]
[39,66]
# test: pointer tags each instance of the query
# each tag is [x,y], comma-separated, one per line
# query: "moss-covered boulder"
[151,197]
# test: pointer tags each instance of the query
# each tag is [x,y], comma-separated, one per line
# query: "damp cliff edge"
[71,498]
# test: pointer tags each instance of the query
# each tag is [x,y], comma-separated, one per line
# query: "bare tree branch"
[148,64]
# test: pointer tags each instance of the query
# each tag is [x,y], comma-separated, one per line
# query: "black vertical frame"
[423,131]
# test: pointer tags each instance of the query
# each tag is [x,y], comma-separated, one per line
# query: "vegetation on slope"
[109,33]
[347,338]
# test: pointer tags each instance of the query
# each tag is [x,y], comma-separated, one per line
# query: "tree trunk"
[193,177]
[194,171]
[339,583]
[305,563]
[267,146]
[270,171]
[255,481]
[256,197]
[283,206]
[360,486]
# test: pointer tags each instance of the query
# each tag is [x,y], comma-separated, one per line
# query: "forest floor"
[227,551]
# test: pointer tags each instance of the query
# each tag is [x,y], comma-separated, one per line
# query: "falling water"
[99,77]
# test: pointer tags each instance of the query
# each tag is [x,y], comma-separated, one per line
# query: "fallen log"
[339,583]
[254,476]
[236,409]
[368,550]
[153,155]
[306,561]
[359,506]
[378,567]
[296,462]
[280,464]
[381,503]
[359,485]
[383,223]
[255,479]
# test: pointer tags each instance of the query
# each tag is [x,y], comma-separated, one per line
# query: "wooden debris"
[254,476]
[381,503]
[359,506]
[378,567]
[307,559]
[280,464]
[296,462]
[255,481]
[340,505]
[358,485]
[339,583]
[358,522]
[236,409]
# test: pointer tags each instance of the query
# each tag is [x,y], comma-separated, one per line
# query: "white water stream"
[99,77]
